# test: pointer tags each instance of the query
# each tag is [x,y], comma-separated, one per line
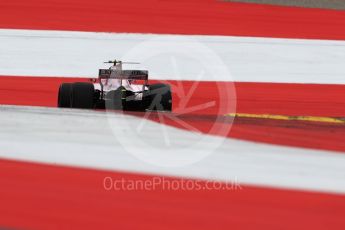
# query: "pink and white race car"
[116,89]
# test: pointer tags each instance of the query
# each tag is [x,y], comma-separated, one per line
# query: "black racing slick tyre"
[161,98]
[64,96]
[82,95]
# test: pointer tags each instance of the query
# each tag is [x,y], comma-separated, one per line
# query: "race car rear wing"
[123,74]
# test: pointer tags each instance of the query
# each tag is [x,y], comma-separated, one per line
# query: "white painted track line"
[80,54]
[84,138]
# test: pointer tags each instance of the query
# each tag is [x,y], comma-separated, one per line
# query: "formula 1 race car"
[116,89]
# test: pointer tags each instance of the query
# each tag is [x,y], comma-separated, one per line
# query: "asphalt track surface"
[324,4]
[39,196]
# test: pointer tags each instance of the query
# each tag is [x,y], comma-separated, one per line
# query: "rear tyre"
[160,97]
[82,95]
[64,96]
